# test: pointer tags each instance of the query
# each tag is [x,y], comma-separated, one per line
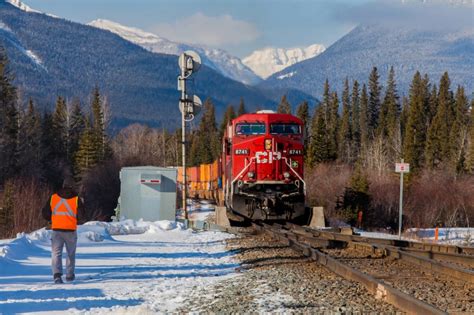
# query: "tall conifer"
[374,102]
[333,126]
[415,133]
[61,129]
[318,147]
[345,131]
[8,121]
[302,112]
[438,142]
[355,104]
[284,107]
[241,110]
[364,119]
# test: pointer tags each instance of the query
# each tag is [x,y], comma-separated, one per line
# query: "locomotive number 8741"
[262,163]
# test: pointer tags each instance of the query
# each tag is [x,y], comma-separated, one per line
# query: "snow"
[126,267]
[453,236]
[217,59]
[22,6]
[288,75]
[268,61]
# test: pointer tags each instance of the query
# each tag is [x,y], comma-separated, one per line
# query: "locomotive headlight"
[268,144]
[251,174]
[294,164]
[286,175]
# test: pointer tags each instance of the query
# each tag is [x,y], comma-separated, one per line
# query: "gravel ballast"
[275,278]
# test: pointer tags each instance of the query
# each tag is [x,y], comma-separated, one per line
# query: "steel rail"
[381,290]
[425,259]
[434,248]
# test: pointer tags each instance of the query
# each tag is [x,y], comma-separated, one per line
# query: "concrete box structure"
[148,193]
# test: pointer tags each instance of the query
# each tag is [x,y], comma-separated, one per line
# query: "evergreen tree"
[30,142]
[229,115]
[459,131]
[302,112]
[345,132]
[60,130]
[438,143]
[207,142]
[326,101]
[404,116]
[374,102]
[241,110]
[390,111]
[364,119]
[470,162]
[333,127]
[355,104]
[76,128]
[87,155]
[389,122]
[284,107]
[98,126]
[433,104]
[415,133]
[318,147]
[8,121]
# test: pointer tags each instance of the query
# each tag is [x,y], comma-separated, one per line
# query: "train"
[260,173]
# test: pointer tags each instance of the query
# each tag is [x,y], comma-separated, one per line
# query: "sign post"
[401,168]
[189,105]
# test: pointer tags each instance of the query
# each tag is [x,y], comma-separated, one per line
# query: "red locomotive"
[262,167]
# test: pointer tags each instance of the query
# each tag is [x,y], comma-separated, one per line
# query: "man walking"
[63,210]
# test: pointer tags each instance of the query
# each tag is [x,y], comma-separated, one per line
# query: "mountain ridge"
[218,59]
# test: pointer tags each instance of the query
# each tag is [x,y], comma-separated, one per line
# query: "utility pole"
[401,168]
[189,105]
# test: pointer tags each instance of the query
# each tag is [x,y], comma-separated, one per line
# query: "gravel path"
[274,278]
[450,295]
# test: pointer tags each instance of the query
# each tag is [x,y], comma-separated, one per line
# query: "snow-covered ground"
[117,271]
[454,236]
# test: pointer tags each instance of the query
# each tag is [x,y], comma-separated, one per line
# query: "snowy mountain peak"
[217,59]
[20,5]
[268,61]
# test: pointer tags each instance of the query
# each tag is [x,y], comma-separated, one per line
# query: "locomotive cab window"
[285,129]
[250,129]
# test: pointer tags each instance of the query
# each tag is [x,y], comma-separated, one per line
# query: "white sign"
[402,167]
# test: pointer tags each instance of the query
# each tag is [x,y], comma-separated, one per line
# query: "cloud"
[208,30]
[420,14]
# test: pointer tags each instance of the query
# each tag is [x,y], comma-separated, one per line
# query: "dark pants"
[58,240]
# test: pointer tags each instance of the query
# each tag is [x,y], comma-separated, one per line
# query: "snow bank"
[457,236]
[128,226]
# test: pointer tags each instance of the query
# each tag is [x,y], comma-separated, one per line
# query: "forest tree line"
[352,143]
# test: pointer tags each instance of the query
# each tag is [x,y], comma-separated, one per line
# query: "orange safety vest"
[64,213]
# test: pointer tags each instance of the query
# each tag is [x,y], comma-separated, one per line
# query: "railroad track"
[417,278]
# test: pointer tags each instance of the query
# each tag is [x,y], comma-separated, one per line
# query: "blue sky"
[239,26]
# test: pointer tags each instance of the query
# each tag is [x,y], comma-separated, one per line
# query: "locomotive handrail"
[241,173]
[296,173]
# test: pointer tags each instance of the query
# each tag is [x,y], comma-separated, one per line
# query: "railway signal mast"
[189,105]
[401,168]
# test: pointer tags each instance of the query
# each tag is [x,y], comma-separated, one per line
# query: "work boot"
[57,278]
[70,278]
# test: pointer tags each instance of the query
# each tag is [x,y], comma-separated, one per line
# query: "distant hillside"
[51,56]
[353,56]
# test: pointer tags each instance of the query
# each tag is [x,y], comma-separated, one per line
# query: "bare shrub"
[30,195]
[436,197]
[325,183]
